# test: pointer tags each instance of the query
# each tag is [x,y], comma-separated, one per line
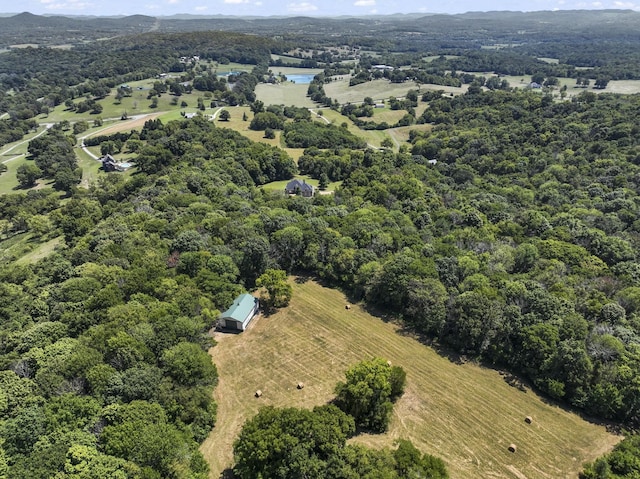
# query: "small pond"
[303,78]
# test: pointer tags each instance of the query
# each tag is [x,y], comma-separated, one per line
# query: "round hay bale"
[528,419]
[348,306]
[258,393]
[389,363]
[512,448]
[300,385]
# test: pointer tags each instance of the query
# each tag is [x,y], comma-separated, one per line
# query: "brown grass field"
[464,413]
[284,94]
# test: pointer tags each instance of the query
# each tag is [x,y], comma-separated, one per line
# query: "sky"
[294,7]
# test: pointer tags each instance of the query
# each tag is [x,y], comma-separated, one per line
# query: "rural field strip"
[464,413]
[328,122]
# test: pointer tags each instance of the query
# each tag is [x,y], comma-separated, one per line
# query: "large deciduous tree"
[369,392]
[278,291]
[290,442]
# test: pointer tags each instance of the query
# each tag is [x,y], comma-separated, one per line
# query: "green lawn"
[279,185]
[16,247]
[466,414]
[8,180]
[40,251]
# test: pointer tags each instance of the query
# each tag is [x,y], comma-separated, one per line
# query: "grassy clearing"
[386,114]
[286,58]
[372,137]
[241,126]
[17,247]
[231,67]
[41,251]
[90,168]
[287,93]
[626,87]
[552,61]
[8,180]
[401,134]
[464,413]
[279,185]
[379,90]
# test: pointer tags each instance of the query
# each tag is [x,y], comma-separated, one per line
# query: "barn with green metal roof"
[244,308]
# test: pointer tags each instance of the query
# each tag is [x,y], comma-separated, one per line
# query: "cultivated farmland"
[464,413]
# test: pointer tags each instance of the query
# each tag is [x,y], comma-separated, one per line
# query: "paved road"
[8,150]
[215,113]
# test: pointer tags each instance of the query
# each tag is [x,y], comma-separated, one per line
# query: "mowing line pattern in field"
[466,414]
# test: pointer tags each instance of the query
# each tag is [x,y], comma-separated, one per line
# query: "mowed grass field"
[379,90]
[464,413]
[287,94]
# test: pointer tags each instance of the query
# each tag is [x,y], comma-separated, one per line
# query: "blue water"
[302,79]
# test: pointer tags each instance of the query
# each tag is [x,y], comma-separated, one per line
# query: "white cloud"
[173,2]
[626,5]
[364,3]
[301,7]
[69,5]
[201,8]
[258,4]
[236,1]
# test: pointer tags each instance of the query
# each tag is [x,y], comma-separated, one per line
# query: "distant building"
[239,315]
[534,85]
[300,187]
[382,67]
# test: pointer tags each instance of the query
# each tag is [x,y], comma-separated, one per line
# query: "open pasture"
[286,93]
[464,413]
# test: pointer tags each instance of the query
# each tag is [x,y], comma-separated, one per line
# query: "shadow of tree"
[227,474]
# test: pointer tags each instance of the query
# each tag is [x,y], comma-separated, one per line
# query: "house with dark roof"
[299,187]
[237,318]
[109,163]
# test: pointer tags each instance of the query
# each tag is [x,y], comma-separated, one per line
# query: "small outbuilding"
[239,315]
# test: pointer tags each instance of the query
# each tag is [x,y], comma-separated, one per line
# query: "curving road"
[8,150]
